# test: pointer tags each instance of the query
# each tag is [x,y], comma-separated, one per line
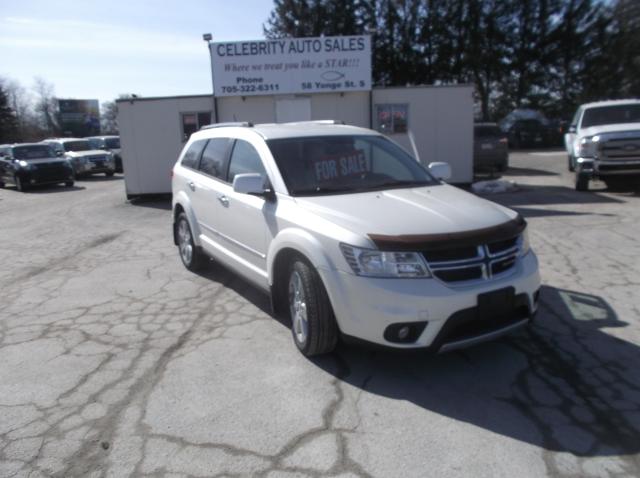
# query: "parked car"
[111,144]
[351,236]
[603,142]
[85,160]
[31,164]
[527,133]
[490,149]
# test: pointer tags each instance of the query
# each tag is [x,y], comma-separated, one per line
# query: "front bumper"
[40,177]
[366,307]
[599,168]
[85,167]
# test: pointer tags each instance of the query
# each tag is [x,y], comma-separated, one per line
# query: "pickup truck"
[603,142]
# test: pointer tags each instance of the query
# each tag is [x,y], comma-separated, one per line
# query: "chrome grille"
[621,147]
[459,265]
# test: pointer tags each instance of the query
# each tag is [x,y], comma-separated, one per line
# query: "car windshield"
[112,143]
[611,115]
[319,165]
[81,145]
[487,132]
[33,152]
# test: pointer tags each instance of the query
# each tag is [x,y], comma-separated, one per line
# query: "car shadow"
[155,201]
[100,177]
[548,195]
[563,385]
[512,171]
[49,189]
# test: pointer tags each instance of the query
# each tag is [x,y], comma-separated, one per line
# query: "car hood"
[609,128]
[52,160]
[82,154]
[424,210]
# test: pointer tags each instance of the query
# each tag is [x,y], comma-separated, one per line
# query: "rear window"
[487,132]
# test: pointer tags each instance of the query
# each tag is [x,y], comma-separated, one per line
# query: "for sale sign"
[345,165]
[292,65]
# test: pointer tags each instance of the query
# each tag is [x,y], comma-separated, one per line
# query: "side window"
[192,122]
[245,159]
[191,157]
[214,157]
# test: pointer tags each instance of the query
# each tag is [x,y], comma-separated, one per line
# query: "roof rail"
[328,121]
[244,124]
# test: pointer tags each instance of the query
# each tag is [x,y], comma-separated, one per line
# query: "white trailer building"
[440,118]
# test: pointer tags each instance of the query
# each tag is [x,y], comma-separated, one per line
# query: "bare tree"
[108,115]
[46,106]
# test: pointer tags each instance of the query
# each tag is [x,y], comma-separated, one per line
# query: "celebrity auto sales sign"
[292,65]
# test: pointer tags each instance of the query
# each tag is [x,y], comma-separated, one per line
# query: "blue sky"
[99,49]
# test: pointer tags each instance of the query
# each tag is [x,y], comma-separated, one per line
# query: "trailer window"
[192,122]
[392,118]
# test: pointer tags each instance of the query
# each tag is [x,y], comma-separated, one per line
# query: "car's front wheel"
[191,256]
[571,166]
[313,324]
[582,182]
[20,186]
[109,173]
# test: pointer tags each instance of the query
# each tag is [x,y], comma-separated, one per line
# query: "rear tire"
[191,255]
[582,182]
[69,184]
[313,324]
[109,173]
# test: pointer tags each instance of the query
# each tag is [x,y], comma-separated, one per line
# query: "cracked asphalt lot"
[115,361]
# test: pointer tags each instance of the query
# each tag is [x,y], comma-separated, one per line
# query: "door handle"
[224,200]
[191,185]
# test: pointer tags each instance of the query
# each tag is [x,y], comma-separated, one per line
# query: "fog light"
[403,333]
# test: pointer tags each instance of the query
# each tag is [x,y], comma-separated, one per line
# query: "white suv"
[352,237]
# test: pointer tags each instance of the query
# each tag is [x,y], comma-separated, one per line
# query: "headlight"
[373,263]
[24,164]
[523,242]
[588,147]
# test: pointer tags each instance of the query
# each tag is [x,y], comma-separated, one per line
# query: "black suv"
[25,165]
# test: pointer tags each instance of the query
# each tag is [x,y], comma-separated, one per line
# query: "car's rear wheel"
[109,173]
[192,257]
[69,184]
[313,324]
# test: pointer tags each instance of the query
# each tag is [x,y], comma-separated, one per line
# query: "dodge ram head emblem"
[630,147]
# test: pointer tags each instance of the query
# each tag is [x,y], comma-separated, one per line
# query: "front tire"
[109,173]
[313,324]
[20,186]
[582,182]
[192,257]
[571,166]
[69,184]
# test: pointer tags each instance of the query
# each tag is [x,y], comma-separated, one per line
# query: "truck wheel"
[69,184]
[572,168]
[192,257]
[313,324]
[582,182]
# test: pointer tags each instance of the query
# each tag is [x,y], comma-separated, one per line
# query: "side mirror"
[440,170]
[249,183]
[572,129]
